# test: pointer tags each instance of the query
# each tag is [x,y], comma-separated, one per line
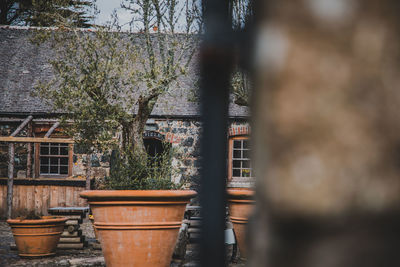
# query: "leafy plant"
[30,215]
[133,171]
[107,83]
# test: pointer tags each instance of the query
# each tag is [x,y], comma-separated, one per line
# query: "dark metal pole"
[216,65]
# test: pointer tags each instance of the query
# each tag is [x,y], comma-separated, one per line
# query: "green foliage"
[94,85]
[242,12]
[29,215]
[140,172]
[107,82]
[241,88]
[47,13]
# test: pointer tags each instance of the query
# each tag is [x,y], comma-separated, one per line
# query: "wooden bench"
[72,237]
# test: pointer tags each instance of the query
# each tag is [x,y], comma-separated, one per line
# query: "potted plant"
[143,224]
[37,236]
[241,203]
[107,84]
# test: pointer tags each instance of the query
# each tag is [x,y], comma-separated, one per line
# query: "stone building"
[175,119]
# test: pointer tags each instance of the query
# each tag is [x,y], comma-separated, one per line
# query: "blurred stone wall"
[327,134]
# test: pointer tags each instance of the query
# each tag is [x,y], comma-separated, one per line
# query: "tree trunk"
[136,136]
[137,127]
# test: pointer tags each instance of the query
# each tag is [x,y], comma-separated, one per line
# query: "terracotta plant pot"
[37,238]
[241,203]
[138,227]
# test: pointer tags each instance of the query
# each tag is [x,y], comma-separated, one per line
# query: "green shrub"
[135,171]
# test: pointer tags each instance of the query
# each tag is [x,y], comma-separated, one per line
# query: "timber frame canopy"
[12,139]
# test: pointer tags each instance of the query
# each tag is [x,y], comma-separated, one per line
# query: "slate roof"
[22,64]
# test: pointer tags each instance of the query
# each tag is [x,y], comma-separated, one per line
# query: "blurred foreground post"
[216,64]
[327,134]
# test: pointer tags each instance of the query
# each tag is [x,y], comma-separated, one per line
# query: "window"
[239,158]
[53,159]
[154,143]
[154,147]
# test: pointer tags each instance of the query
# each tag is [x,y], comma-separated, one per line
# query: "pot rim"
[246,193]
[138,194]
[43,220]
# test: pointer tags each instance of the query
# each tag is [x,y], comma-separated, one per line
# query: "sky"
[106,8]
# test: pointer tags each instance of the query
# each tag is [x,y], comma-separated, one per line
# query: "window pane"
[54,169]
[236,164]
[241,152]
[64,150]
[246,144]
[44,169]
[44,161]
[237,144]
[64,161]
[246,164]
[57,162]
[53,161]
[44,150]
[63,170]
[54,150]
[236,154]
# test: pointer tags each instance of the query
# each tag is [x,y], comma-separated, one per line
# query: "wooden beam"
[29,157]
[51,130]
[21,126]
[35,140]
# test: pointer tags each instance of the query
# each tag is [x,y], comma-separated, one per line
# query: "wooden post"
[11,152]
[88,170]
[36,163]
[10,181]
[29,157]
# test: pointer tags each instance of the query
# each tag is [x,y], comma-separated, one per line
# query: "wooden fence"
[40,195]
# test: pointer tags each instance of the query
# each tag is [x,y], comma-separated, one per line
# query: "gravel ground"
[71,257]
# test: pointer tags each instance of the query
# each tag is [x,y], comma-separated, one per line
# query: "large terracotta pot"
[37,238]
[138,227]
[241,203]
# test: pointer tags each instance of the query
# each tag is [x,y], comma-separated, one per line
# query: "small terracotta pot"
[241,203]
[37,238]
[138,227]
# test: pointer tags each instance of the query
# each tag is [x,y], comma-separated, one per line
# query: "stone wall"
[183,134]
